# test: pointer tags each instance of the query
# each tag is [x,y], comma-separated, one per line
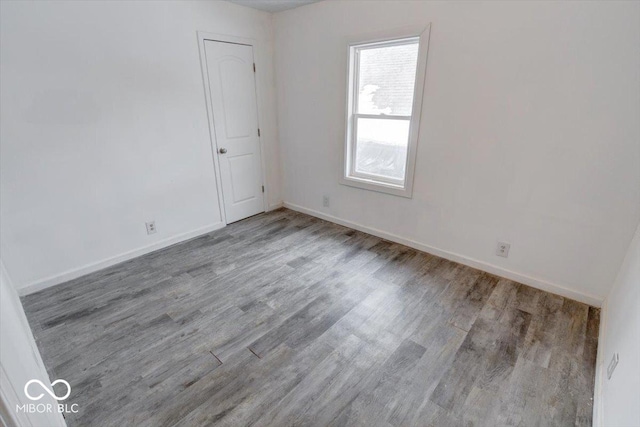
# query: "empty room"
[319,213]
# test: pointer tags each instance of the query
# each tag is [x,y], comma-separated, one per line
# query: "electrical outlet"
[325,201]
[151,227]
[502,249]
[612,365]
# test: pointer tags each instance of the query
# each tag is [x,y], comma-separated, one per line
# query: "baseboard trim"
[57,279]
[598,412]
[534,282]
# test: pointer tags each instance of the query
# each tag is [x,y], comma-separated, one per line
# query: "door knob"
[222,150]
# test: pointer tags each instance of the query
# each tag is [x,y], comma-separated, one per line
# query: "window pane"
[386,79]
[381,147]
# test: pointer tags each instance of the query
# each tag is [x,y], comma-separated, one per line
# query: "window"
[384,98]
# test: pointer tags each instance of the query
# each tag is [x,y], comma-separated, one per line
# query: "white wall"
[529,132]
[104,127]
[20,362]
[617,401]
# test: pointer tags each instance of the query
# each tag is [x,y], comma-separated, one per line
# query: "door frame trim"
[225,38]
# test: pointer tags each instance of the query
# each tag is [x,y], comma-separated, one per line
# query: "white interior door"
[235,118]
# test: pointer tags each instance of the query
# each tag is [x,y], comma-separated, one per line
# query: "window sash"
[377,45]
[352,172]
[355,101]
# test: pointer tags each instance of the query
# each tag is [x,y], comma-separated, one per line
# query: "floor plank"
[285,319]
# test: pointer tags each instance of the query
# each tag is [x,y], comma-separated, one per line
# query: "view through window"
[383,90]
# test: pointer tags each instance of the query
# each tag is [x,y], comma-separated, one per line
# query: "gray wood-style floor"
[284,319]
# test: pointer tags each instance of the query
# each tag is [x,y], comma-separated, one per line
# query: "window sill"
[380,187]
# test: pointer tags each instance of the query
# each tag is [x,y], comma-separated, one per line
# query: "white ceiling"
[273,5]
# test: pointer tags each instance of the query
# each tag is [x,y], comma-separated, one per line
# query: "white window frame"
[381,184]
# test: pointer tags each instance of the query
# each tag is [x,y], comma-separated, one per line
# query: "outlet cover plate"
[151,227]
[502,249]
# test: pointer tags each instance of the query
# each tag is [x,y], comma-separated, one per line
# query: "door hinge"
[254,67]
[263,188]
[258,131]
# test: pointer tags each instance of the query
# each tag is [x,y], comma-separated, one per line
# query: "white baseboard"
[108,262]
[541,284]
[598,414]
[544,285]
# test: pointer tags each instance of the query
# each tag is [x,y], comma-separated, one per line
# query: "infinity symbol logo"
[45,388]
